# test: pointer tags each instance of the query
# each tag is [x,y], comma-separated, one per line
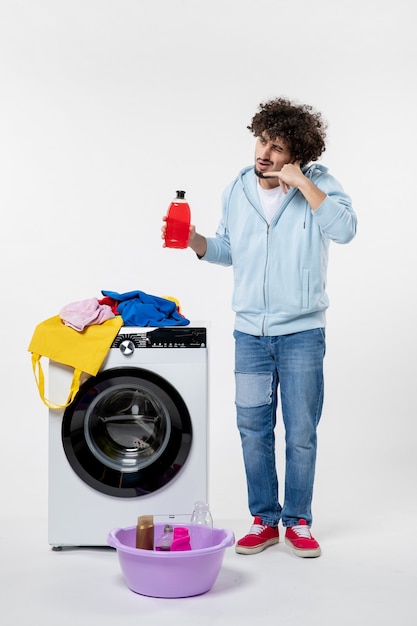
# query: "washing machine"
[135,439]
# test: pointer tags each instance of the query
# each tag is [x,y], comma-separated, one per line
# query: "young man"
[278,219]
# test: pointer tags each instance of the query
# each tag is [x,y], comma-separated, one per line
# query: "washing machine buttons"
[127,347]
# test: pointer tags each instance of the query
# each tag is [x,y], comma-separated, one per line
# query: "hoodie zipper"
[268,228]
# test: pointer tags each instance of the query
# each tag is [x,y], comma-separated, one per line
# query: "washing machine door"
[127,433]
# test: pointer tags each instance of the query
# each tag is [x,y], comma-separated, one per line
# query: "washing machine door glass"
[127,433]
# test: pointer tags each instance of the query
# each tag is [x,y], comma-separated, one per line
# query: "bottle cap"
[201,505]
[145,521]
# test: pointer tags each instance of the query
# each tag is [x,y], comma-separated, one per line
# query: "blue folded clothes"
[138,308]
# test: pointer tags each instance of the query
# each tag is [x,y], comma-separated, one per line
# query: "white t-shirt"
[271,200]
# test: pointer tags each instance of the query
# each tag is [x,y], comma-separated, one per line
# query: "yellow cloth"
[84,351]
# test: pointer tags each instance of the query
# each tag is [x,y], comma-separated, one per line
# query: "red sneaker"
[301,540]
[259,537]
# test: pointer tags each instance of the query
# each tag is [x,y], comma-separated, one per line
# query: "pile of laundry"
[136,308]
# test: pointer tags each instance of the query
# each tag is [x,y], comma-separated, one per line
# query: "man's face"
[270,155]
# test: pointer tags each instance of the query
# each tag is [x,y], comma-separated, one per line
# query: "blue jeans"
[295,364]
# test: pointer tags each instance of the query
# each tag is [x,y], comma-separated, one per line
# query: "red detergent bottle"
[178,222]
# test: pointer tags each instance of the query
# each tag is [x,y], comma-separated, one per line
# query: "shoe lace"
[256,529]
[302,531]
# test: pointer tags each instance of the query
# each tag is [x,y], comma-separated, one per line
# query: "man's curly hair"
[299,125]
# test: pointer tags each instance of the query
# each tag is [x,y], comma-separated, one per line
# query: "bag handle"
[40,381]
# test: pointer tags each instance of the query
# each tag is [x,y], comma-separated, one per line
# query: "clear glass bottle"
[164,542]
[201,514]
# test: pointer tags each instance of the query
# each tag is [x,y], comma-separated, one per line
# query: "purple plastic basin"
[172,574]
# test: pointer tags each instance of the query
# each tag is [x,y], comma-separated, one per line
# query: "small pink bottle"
[181,539]
[178,222]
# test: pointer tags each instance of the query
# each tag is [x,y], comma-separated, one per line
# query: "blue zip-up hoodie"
[280,269]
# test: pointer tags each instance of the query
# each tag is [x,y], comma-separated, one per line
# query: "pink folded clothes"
[80,314]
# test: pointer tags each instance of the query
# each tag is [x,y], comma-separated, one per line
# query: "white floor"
[365,576]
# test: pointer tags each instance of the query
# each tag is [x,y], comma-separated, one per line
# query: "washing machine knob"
[127,347]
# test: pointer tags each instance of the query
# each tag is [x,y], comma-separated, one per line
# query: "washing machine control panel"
[175,337]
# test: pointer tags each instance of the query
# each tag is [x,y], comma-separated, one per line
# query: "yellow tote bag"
[84,351]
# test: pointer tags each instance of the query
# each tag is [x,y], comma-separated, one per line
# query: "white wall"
[109,106]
